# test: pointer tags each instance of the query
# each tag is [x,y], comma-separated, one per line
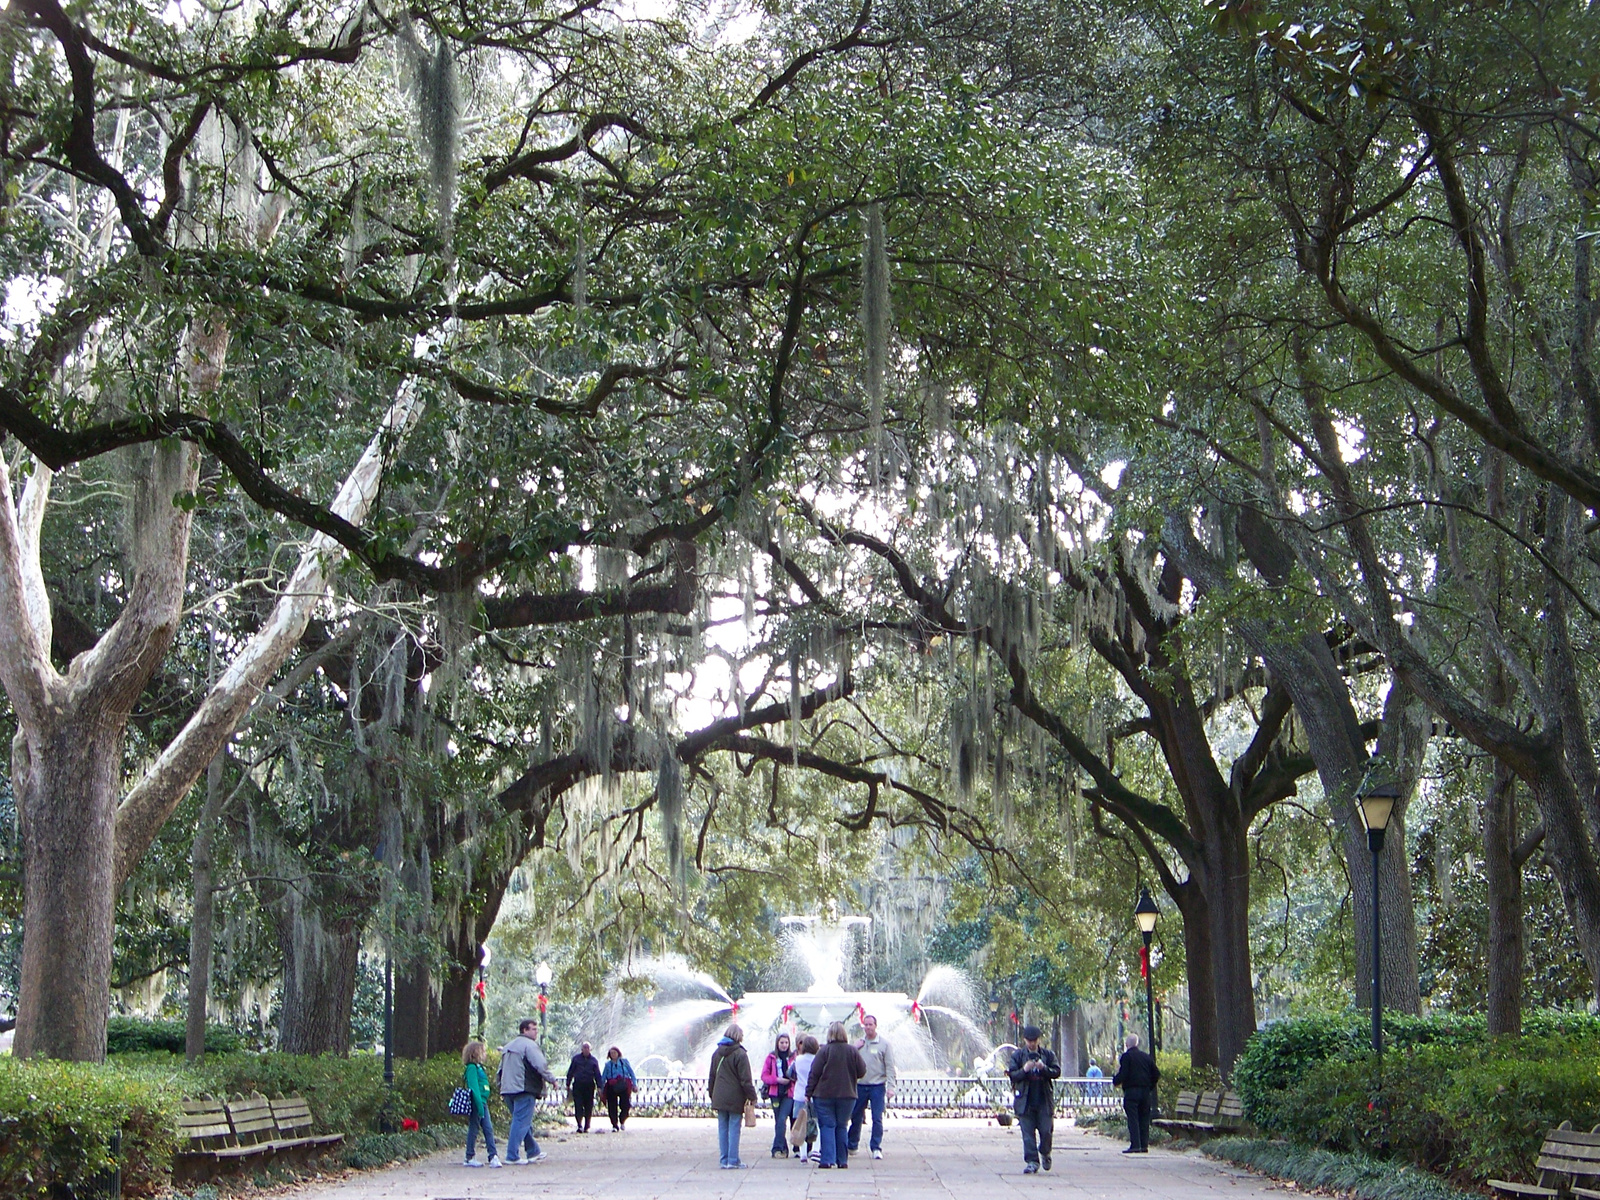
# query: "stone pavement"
[927,1159]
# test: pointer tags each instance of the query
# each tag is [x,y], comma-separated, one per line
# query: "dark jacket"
[834,1072]
[585,1069]
[1136,1069]
[1037,1086]
[729,1082]
[523,1070]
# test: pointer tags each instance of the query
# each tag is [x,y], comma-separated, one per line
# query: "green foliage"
[380,1149]
[1354,1175]
[1500,1109]
[57,1121]
[1178,1074]
[1446,1096]
[136,1035]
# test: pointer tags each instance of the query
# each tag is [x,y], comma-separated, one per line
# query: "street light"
[1377,802]
[542,976]
[483,985]
[1146,913]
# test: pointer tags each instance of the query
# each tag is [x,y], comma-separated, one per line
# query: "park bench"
[212,1145]
[1566,1157]
[1182,1111]
[1200,1121]
[292,1116]
[1230,1113]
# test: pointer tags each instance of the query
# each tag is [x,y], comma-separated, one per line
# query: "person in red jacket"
[779,1089]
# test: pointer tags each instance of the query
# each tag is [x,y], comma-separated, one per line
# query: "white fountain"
[674,1029]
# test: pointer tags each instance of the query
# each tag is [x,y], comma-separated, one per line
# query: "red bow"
[542,1002]
[1144,962]
[481,988]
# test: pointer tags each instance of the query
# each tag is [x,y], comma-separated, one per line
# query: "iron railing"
[666,1095]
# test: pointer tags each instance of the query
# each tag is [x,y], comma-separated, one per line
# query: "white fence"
[665,1095]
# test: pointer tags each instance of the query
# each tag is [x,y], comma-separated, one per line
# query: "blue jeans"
[728,1126]
[833,1128]
[873,1094]
[520,1136]
[782,1110]
[479,1120]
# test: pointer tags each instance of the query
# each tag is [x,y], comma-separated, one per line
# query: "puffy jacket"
[729,1082]
[1136,1069]
[834,1073]
[775,1075]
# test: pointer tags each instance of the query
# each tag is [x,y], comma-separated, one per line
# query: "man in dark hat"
[1034,1070]
[1137,1076]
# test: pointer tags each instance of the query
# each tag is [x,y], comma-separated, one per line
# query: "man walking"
[1137,1076]
[523,1074]
[876,1086]
[583,1080]
[1034,1070]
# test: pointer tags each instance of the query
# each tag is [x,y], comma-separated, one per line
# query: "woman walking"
[731,1088]
[475,1078]
[618,1082]
[831,1088]
[780,1091]
[804,1127]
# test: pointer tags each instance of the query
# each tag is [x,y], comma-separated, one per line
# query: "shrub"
[1498,1110]
[379,1149]
[135,1035]
[57,1121]
[1347,1174]
[1179,1075]
[1352,1104]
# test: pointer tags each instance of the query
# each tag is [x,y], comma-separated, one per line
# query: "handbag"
[749,1114]
[461,1103]
[798,1124]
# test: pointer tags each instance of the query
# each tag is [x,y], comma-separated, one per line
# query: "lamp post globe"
[1146,913]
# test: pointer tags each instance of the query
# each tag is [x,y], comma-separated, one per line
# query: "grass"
[1358,1175]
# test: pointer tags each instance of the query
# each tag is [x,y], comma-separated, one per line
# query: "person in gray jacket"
[875,1088]
[523,1075]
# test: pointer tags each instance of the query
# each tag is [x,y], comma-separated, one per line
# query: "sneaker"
[1044,1161]
[1130,1150]
[539,1157]
[471,1162]
[877,1154]
[494,1161]
[1030,1168]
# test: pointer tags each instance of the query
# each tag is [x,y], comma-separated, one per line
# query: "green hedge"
[137,1035]
[57,1121]
[1446,1097]
[1354,1175]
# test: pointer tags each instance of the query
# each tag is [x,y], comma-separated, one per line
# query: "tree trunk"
[1228,898]
[202,921]
[319,979]
[413,1005]
[455,1020]
[1199,964]
[67,784]
[1503,875]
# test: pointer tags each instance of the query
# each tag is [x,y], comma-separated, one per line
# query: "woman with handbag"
[733,1094]
[475,1081]
[618,1082]
[780,1091]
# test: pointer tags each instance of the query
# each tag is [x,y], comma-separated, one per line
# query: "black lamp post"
[483,986]
[385,1125]
[542,976]
[1146,913]
[1377,803]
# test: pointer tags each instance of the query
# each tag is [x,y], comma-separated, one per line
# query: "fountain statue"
[673,1027]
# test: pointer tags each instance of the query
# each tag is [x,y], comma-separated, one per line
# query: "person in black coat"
[1033,1072]
[583,1078]
[1137,1076]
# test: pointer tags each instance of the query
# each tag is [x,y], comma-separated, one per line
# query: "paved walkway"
[676,1159]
